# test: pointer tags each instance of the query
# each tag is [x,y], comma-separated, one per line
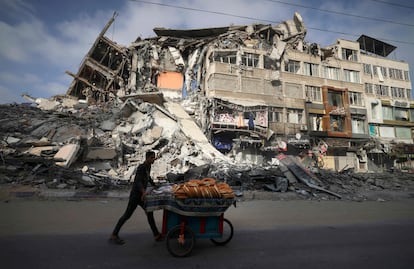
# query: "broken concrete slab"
[100,154]
[67,155]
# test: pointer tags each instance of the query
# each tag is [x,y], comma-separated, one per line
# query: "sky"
[42,39]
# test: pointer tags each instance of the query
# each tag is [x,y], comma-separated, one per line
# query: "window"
[408,93]
[349,55]
[294,116]
[351,76]
[367,69]
[330,72]
[380,71]
[335,98]
[315,122]
[229,57]
[396,73]
[369,88]
[356,99]
[250,59]
[269,63]
[358,125]
[403,132]
[387,113]
[406,76]
[375,111]
[313,93]
[381,90]
[275,114]
[292,66]
[401,114]
[336,123]
[311,69]
[397,92]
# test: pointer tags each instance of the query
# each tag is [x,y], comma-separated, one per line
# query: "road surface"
[268,234]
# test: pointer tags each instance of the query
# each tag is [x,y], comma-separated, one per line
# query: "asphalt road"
[268,234]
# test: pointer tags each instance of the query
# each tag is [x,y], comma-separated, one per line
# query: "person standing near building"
[137,197]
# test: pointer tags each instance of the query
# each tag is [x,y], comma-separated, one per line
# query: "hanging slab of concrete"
[193,132]
[67,155]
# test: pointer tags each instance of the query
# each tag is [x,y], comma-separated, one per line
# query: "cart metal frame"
[181,231]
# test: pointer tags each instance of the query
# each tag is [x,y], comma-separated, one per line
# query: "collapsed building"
[257,90]
[254,105]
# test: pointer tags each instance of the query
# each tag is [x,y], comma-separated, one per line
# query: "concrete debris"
[153,95]
[106,159]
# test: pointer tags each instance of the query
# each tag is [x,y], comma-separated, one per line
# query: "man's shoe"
[116,240]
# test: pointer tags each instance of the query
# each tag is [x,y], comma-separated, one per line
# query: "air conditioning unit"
[303,127]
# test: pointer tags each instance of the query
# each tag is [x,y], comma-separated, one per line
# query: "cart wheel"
[227,234]
[180,245]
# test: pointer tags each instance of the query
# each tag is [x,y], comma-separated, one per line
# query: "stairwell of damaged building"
[256,91]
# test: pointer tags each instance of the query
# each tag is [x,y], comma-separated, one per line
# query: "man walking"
[137,197]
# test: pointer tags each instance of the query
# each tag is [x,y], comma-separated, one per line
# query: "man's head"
[150,157]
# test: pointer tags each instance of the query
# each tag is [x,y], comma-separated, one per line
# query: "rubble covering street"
[107,142]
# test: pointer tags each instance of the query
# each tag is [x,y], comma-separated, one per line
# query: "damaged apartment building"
[258,90]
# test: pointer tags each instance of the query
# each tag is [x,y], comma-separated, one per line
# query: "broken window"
[330,72]
[269,63]
[292,66]
[380,71]
[106,55]
[349,55]
[294,116]
[335,98]
[351,76]
[356,99]
[401,114]
[229,57]
[408,93]
[311,69]
[250,59]
[313,93]
[337,123]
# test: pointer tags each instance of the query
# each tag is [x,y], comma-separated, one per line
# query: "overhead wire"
[341,13]
[271,21]
[393,4]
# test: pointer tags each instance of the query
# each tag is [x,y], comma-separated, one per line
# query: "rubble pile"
[98,148]
[167,94]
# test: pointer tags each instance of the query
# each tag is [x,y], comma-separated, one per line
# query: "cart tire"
[227,234]
[177,248]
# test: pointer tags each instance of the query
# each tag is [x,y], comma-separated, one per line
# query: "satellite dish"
[298,136]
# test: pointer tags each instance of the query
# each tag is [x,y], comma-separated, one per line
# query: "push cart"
[186,220]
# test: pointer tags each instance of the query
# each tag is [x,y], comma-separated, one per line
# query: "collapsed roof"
[109,70]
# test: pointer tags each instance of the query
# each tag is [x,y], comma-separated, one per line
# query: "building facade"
[262,90]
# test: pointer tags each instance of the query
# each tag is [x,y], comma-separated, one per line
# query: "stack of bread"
[203,188]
